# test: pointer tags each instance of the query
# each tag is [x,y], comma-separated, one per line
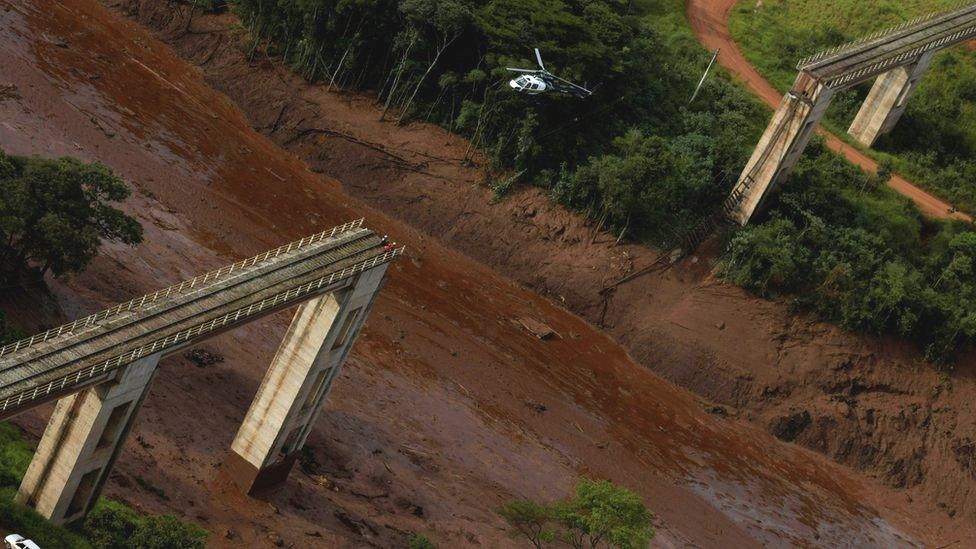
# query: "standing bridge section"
[896,59]
[100,367]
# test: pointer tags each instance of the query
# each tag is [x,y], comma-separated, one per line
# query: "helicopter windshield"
[522,81]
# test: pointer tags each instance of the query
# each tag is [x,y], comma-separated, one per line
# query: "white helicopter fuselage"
[529,84]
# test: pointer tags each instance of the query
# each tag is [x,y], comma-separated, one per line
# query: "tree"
[447,18]
[54,214]
[604,513]
[529,520]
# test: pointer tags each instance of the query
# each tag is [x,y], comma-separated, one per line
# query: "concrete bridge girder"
[335,276]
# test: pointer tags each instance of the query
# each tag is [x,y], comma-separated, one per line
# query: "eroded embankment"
[866,402]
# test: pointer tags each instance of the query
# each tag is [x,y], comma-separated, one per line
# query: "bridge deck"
[860,61]
[68,358]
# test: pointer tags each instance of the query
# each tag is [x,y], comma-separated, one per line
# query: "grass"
[934,141]
[110,524]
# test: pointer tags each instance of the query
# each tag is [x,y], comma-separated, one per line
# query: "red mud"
[709,20]
[437,418]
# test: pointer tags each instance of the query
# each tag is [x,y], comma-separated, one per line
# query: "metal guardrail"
[91,320]
[903,57]
[883,34]
[119,361]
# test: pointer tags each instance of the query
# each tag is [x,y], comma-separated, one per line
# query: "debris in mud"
[8,91]
[357,526]
[103,126]
[787,428]
[538,329]
[324,482]
[203,357]
[716,410]
[58,41]
[537,406]
[965,453]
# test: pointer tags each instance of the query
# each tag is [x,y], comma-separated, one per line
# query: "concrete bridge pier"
[296,385]
[781,145]
[81,443]
[888,100]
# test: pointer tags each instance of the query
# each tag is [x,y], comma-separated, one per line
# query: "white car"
[16,541]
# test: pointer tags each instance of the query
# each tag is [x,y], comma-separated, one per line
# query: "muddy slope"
[447,407]
[868,403]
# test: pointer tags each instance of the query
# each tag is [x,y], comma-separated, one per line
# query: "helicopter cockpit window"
[521,81]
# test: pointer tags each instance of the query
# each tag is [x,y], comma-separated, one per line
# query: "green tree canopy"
[599,514]
[54,214]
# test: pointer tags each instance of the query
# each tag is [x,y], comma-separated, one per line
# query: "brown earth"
[872,403]
[709,20]
[448,406]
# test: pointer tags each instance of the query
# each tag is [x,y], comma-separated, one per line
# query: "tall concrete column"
[782,144]
[81,443]
[307,362]
[888,100]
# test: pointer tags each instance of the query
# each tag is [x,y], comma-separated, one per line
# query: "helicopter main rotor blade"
[520,70]
[576,86]
[538,57]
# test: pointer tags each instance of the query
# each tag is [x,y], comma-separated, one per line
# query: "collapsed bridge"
[896,58]
[100,366]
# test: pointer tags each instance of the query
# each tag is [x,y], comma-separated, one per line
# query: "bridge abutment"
[782,143]
[296,385]
[81,443]
[887,101]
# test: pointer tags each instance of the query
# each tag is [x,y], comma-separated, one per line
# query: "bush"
[420,541]
[109,525]
[860,255]
[599,513]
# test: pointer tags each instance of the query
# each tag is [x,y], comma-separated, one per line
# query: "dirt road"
[709,20]
[448,407]
[865,402]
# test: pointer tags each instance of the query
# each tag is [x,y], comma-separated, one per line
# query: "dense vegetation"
[110,525]
[54,215]
[635,155]
[935,142]
[599,514]
[852,250]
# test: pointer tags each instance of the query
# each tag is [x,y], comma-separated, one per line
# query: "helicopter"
[536,81]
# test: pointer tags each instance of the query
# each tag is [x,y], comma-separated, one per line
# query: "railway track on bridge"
[86,352]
